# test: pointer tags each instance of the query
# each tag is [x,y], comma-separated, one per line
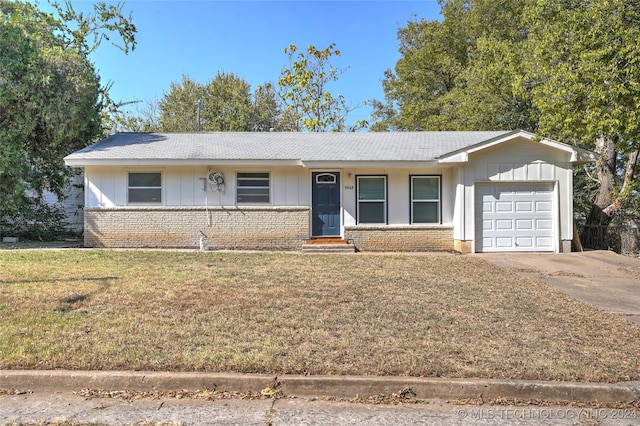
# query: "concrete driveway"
[604,279]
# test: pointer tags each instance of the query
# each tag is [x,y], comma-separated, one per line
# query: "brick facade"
[401,238]
[281,228]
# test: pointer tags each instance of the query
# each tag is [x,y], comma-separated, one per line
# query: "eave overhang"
[249,163]
[73,162]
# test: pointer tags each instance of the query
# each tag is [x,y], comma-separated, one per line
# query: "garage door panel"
[524,242]
[504,206]
[524,206]
[514,217]
[543,206]
[504,224]
[545,242]
[544,224]
[504,242]
[524,224]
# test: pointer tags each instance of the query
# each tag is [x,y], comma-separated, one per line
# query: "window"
[145,188]
[425,199]
[326,178]
[252,187]
[372,199]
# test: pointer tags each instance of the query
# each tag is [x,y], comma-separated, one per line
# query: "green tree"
[141,119]
[178,107]
[227,104]
[585,78]
[460,73]
[308,104]
[565,69]
[266,109]
[224,104]
[50,105]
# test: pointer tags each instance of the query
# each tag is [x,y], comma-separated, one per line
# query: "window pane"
[253,195]
[253,182]
[426,188]
[253,175]
[252,187]
[145,179]
[145,195]
[371,188]
[371,212]
[425,212]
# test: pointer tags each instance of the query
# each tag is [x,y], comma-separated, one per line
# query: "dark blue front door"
[325,204]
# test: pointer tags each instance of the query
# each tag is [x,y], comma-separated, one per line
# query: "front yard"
[418,315]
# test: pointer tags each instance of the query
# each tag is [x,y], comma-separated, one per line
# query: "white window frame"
[239,188]
[383,200]
[130,188]
[438,200]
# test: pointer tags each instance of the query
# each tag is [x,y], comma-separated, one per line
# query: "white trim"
[385,210]
[340,187]
[73,162]
[577,155]
[438,201]
[163,185]
[235,188]
[332,175]
[327,164]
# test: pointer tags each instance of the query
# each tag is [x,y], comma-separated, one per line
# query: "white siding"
[398,192]
[183,186]
[518,161]
[290,186]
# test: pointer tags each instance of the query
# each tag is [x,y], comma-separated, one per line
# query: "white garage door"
[514,217]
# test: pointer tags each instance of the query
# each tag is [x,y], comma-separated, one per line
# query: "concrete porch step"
[328,245]
[328,248]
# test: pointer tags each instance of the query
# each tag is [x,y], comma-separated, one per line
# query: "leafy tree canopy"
[225,103]
[585,80]
[50,103]
[458,73]
[308,104]
[565,69]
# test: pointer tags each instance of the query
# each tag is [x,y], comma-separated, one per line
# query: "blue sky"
[200,38]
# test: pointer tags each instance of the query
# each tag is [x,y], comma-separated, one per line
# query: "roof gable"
[576,155]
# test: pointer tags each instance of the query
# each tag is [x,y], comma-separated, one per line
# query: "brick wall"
[401,238]
[283,228]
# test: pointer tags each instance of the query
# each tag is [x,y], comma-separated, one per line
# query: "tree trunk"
[630,237]
[608,202]
[595,230]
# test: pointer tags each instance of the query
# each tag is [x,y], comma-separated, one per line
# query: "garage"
[514,217]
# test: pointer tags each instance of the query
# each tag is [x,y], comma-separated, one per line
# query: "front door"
[325,204]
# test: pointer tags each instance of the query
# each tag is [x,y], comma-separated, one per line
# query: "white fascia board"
[460,157]
[500,140]
[370,164]
[577,155]
[199,162]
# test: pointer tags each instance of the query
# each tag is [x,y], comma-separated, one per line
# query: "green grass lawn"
[418,315]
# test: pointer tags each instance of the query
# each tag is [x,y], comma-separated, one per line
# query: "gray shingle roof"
[304,147]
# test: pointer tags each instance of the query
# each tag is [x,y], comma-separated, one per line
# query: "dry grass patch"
[453,316]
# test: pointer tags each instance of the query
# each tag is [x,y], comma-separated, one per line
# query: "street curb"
[319,386]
